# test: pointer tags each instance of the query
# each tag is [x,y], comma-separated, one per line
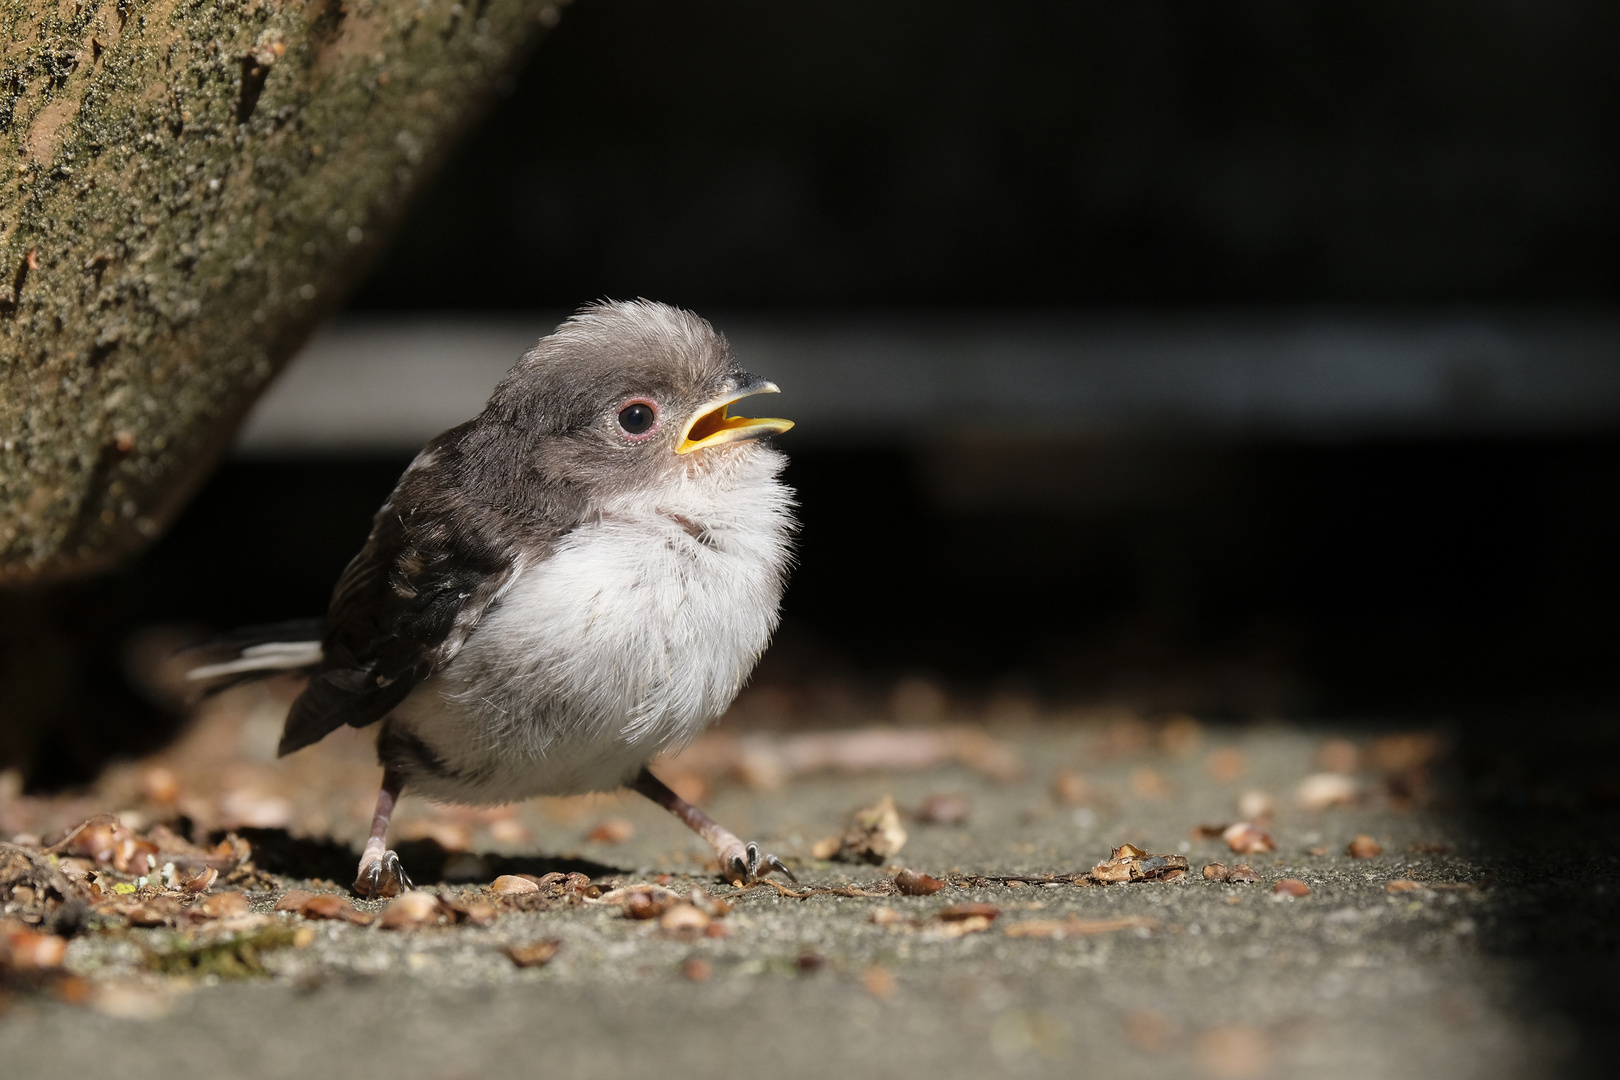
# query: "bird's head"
[630,394]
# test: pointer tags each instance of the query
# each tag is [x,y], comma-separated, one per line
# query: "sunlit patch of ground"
[1385,931]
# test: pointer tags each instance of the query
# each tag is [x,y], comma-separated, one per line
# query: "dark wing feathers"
[392,631]
[434,563]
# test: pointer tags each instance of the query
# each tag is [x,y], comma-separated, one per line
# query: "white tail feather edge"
[271,656]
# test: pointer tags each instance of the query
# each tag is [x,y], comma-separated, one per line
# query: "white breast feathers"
[634,635]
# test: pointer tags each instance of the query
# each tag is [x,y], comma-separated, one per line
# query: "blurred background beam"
[376,383]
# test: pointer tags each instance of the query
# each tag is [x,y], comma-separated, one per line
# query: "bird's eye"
[637,418]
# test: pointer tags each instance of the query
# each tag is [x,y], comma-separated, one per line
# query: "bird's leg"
[738,861]
[380,872]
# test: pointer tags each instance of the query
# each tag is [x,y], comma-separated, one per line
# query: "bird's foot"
[744,864]
[381,876]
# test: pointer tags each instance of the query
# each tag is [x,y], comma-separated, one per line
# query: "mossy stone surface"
[185,188]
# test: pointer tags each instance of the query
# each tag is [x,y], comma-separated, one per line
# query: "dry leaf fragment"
[1363,847]
[878,981]
[28,950]
[647,902]
[41,893]
[697,969]
[202,882]
[1070,788]
[108,841]
[916,883]
[294,900]
[874,835]
[945,808]
[883,915]
[1078,927]
[534,954]
[467,909]
[221,905]
[1245,839]
[1322,790]
[1216,872]
[612,831]
[160,910]
[512,884]
[825,848]
[770,760]
[1255,805]
[709,905]
[1291,887]
[1209,832]
[684,919]
[1130,863]
[970,911]
[160,785]
[955,928]
[410,910]
[131,1002]
[1243,874]
[332,906]
[1319,850]
[1401,885]
[575,885]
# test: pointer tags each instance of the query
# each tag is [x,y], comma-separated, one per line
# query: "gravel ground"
[1498,964]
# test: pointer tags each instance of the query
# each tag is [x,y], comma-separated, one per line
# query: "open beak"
[713,426]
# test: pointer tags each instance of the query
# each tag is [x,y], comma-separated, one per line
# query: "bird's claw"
[382,877]
[745,867]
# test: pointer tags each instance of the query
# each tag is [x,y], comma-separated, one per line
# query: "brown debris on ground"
[916,883]
[186,898]
[527,892]
[1072,789]
[1322,790]
[767,761]
[102,868]
[535,953]
[1129,863]
[1245,838]
[955,921]
[1290,887]
[948,808]
[874,836]
[1074,926]
[323,906]
[38,891]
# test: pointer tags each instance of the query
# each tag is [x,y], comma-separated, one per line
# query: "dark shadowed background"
[1409,508]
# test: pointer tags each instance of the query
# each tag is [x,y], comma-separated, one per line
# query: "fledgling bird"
[574,581]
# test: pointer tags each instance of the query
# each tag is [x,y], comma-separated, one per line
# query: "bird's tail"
[258,651]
